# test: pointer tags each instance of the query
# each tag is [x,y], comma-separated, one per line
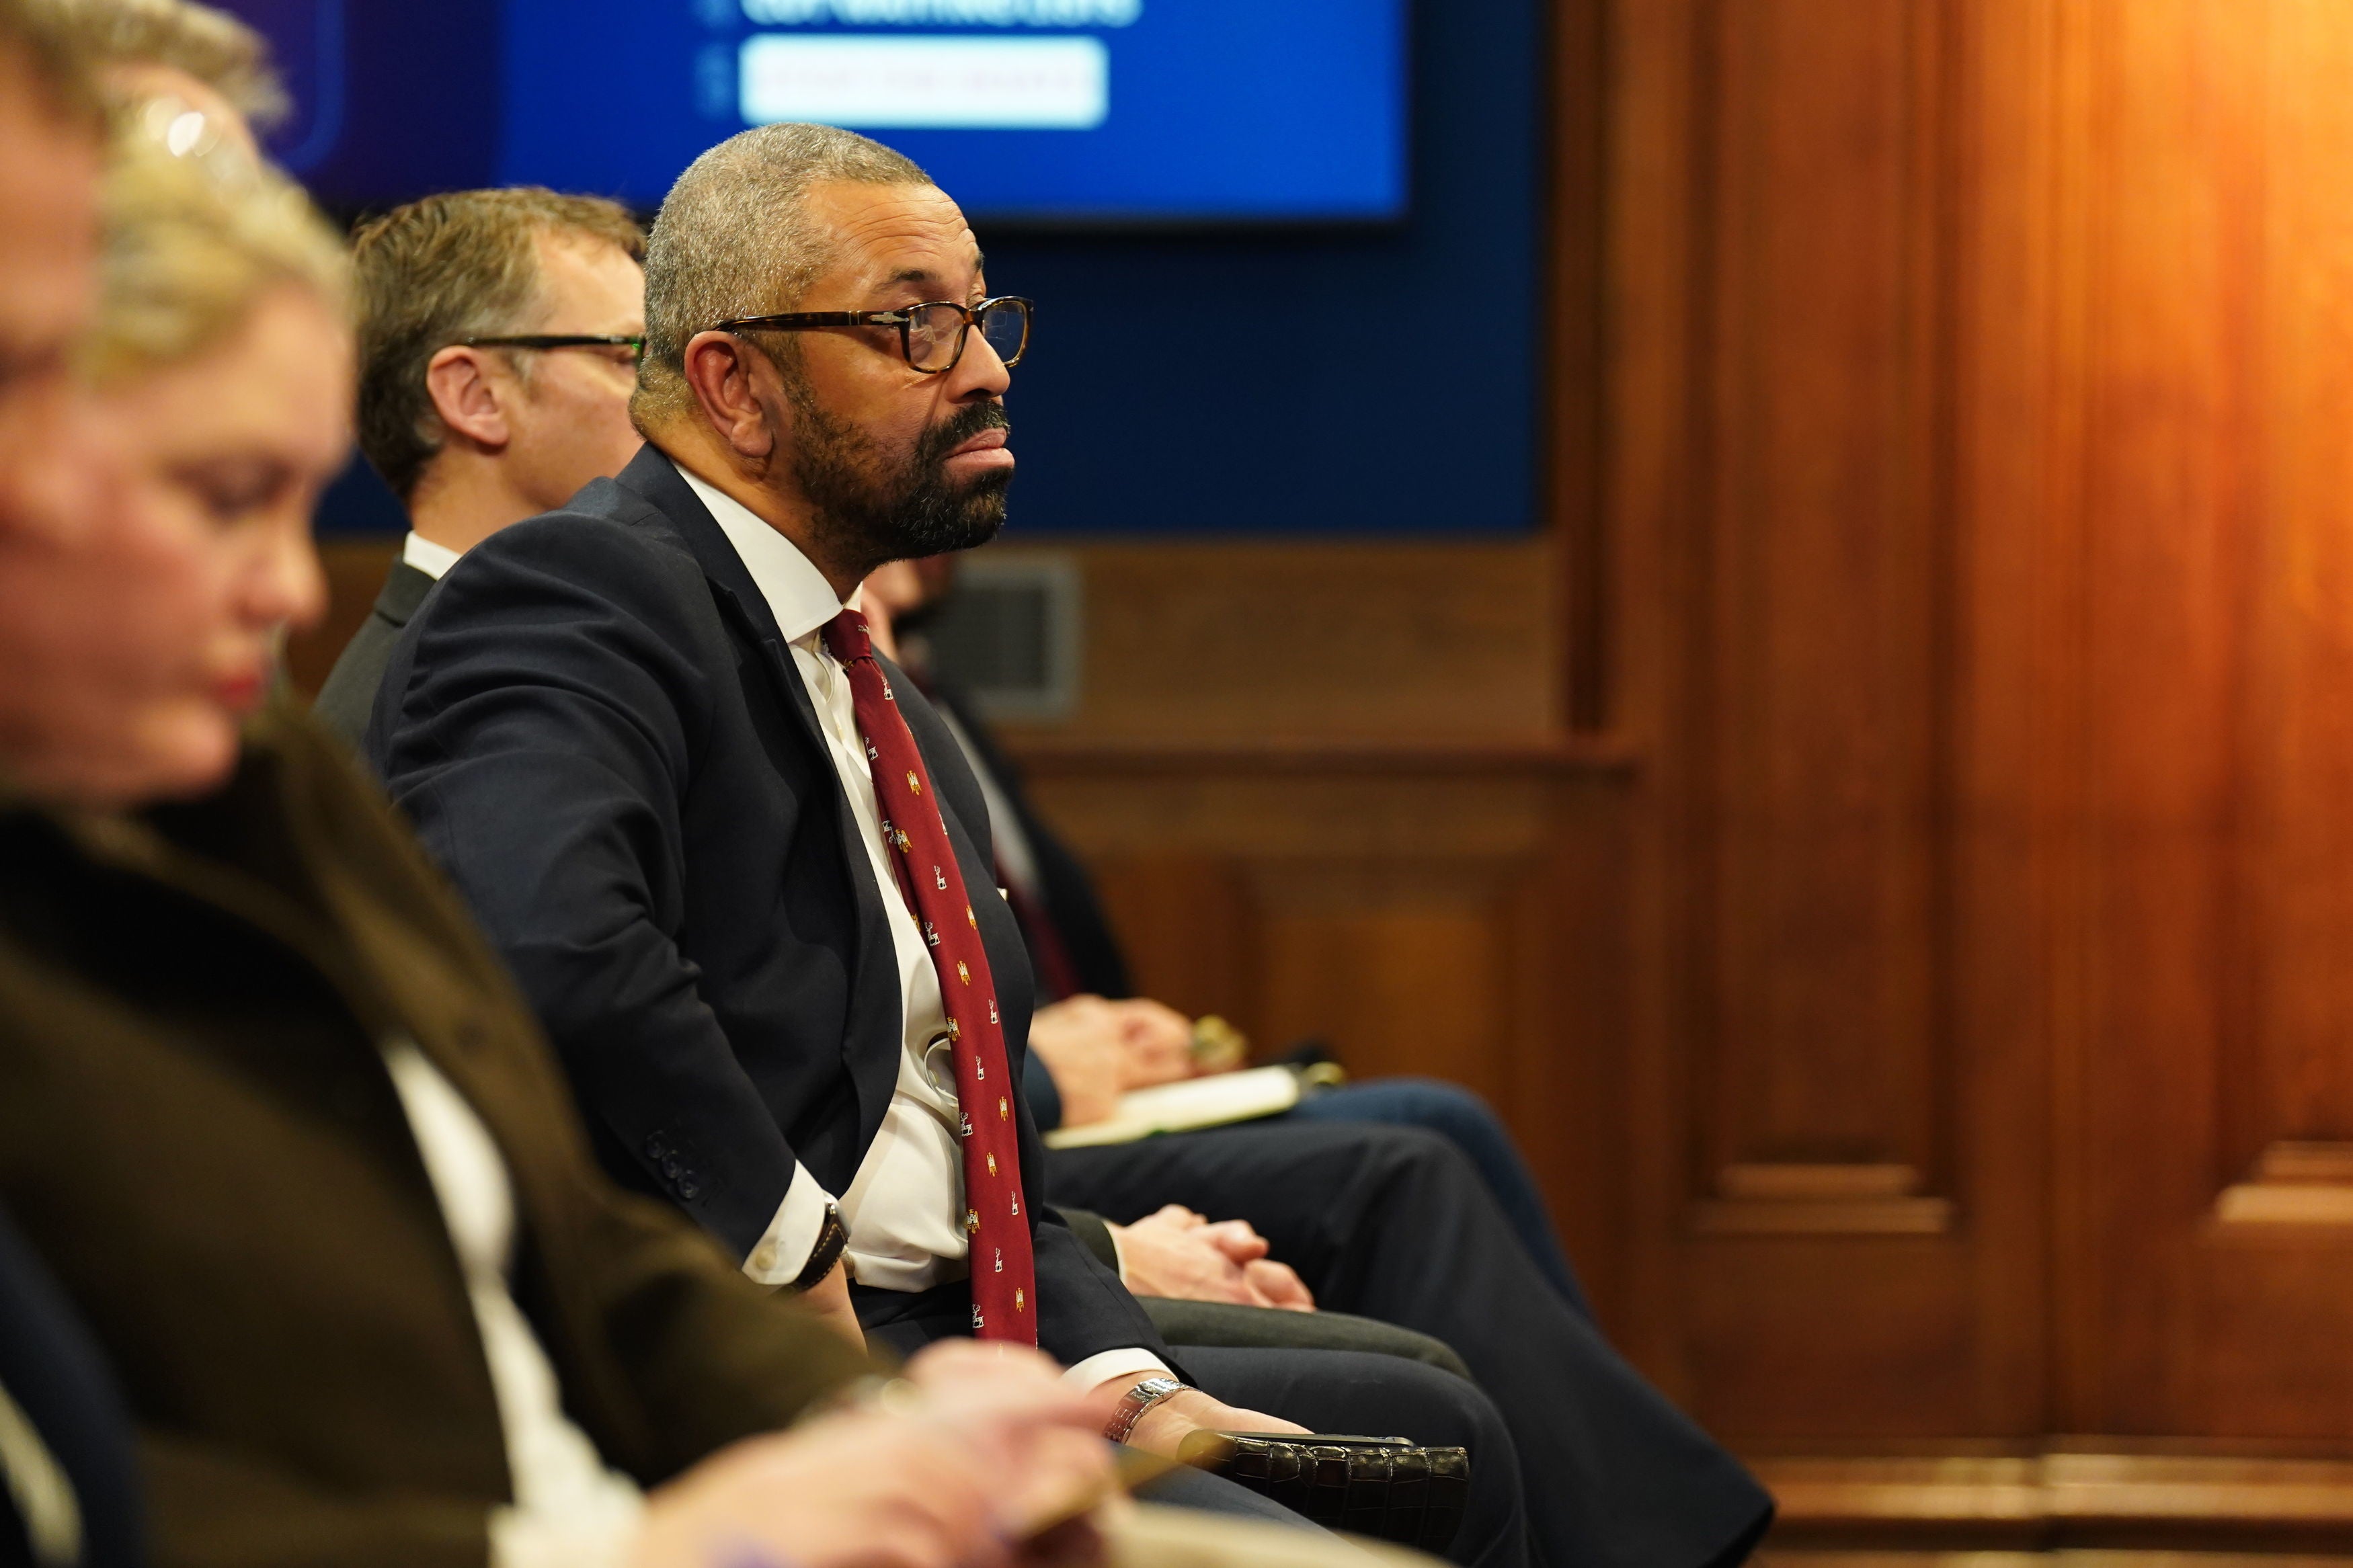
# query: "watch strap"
[833,1240]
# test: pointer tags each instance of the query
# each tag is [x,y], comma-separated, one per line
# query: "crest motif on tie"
[980,1070]
[939,879]
[887,695]
[962,973]
[1021,1302]
[992,1009]
[954,1033]
[1017,1205]
[971,1222]
[871,754]
[914,785]
[903,840]
[1000,1258]
[929,935]
[992,1164]
[978,1322]
[970,919]
[964,1127]
[1004,1111]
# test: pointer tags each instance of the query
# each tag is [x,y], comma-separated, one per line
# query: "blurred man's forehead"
[590,272]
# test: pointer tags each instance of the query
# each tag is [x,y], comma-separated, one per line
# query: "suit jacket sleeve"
[538,723]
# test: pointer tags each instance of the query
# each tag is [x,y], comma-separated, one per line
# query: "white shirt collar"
[433,560]
[797,593]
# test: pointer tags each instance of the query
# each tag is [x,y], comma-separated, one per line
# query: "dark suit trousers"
[1394,1223]
[1323,1390]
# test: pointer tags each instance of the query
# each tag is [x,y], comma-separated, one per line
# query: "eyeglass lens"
[935,334]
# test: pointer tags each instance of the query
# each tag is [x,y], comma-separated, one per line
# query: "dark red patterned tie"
[1004,1277]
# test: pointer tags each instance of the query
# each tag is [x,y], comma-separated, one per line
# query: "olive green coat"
[198,1133]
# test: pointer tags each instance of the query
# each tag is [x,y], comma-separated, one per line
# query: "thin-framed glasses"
[931,335]
[635,345]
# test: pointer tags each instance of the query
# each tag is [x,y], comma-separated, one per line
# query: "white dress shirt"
[571,1509]
[427,557]
[906,1204]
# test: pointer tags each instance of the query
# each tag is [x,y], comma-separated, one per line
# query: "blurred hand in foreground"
[979,1448]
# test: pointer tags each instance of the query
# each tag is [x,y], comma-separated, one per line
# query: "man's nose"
[981,373]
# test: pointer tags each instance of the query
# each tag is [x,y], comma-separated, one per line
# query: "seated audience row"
[285,1143]
[643,920]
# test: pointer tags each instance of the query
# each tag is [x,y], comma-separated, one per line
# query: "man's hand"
[1159,1040]
[1177,1254]
[1278,1283]
[1080,1040]
[830,1299]
[984,1445]
[1163,1429]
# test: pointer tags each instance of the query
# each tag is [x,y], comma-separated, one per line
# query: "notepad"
[1214,1101]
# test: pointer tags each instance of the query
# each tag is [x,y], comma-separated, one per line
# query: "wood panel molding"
[2293,1184]
[2078,1493]
[1822,1200]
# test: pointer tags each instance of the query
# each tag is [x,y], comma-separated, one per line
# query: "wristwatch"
[1135,1402]
[832,1236]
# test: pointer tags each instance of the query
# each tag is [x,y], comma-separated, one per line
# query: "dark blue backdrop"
[1373,382]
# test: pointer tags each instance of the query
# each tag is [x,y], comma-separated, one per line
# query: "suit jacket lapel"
[405,588]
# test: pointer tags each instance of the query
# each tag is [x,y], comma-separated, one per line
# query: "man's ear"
[720,370]
[466,396]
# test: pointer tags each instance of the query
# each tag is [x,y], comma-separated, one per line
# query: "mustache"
[956,430]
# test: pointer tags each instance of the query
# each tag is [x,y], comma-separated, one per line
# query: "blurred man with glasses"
[498,339]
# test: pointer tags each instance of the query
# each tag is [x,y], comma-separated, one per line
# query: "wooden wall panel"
[1451,911]
[1205,643]
[1813,718]
[2217,1120]
[1786,195]
[1979,493]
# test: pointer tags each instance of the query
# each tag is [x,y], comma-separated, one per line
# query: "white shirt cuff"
[1134,1364]
[1118,1253]
[600,1535]
[780,1255]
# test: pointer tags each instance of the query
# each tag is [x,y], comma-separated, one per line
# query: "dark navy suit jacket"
[597,727]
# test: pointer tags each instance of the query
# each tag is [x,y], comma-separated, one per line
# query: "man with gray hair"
[738,862]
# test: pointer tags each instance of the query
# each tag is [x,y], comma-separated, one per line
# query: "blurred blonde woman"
[278,1123]
[221,362]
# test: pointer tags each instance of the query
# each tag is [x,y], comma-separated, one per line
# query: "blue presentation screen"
[1058,110]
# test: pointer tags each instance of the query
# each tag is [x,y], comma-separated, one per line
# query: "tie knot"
[847,635]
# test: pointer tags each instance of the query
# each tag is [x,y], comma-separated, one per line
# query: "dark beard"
[870,510]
